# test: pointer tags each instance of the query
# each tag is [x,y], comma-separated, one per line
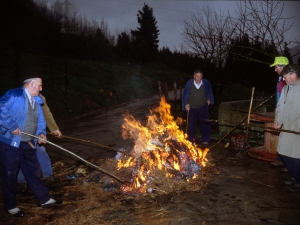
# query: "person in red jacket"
[279,63]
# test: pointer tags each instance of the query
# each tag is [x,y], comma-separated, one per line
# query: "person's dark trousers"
[200,115]
[293,166]
[12,160]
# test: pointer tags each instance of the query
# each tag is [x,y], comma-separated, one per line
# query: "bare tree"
[58,11]
[103,26]
[262,21]
[207,34]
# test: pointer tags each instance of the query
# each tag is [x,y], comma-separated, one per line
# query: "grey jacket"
[287,115]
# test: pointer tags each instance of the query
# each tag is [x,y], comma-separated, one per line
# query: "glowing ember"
[160,145]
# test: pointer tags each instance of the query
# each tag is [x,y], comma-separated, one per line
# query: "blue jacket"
[187,90]
[13,111]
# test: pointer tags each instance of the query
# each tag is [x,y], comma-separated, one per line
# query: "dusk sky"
[121,15]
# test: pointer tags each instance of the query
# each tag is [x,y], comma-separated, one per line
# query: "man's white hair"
[27,81]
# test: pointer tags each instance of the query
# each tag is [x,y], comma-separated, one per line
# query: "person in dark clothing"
[197,96]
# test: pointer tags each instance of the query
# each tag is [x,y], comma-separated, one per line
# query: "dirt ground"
[228,190]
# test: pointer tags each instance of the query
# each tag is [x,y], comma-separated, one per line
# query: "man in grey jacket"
[287,118]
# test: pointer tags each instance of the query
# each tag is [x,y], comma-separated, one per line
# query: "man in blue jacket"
[21,111]
[197,96]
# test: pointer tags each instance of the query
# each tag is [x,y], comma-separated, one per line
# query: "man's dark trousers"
[12,160]
[200,115]
[293,166]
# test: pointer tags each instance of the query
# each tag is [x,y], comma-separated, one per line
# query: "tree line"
[227,49]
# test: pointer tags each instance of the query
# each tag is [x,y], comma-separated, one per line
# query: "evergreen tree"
[101,44]
[123,44]
[145,38]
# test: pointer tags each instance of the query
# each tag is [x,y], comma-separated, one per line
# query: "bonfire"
[160,147]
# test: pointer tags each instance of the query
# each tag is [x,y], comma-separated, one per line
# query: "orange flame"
[153,145]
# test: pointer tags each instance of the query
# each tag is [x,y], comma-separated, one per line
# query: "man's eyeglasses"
[290,73]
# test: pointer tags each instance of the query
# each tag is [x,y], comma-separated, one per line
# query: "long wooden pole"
[281,130]
[87,162]
[243,151]
[248,119]
[90,142]
[187,122]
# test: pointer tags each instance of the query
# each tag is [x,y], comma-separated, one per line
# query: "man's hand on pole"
[17,131]
[40,141]
[187,107]
[276,126]
[58,133]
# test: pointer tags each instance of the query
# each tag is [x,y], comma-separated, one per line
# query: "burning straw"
[160,148]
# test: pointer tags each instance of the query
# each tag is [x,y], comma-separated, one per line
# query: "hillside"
[73,87]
